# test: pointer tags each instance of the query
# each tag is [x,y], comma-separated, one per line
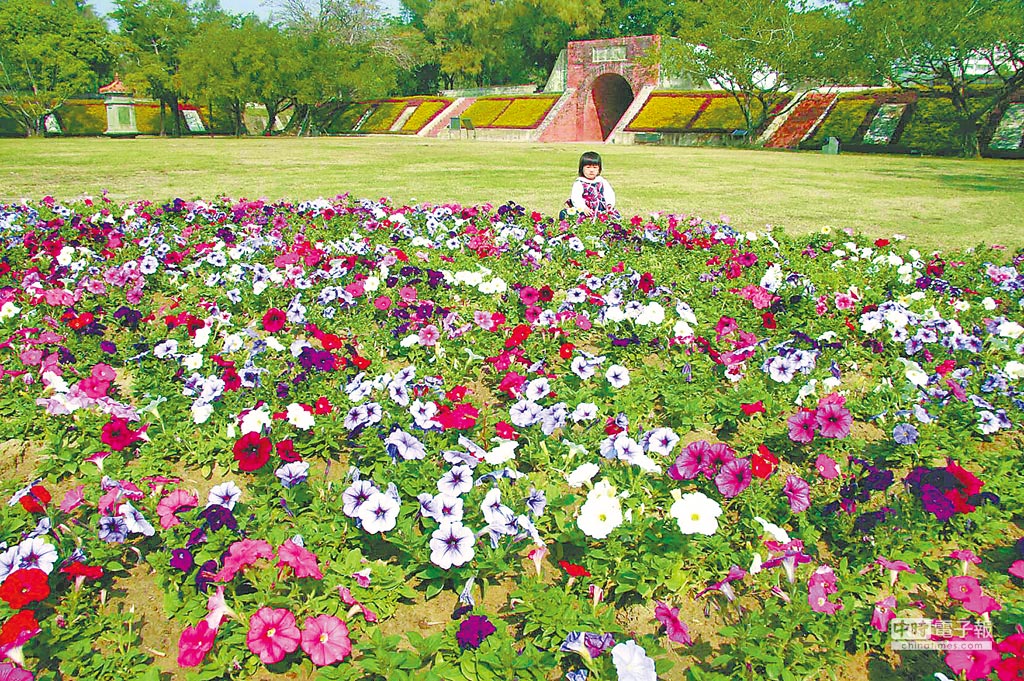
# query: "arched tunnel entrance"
[612,96]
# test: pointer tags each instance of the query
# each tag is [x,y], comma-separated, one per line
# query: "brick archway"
[612,95]
[602,78]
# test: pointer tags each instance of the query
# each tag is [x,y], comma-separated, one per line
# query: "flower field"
[355,440]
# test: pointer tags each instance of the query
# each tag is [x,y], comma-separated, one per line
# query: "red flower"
[286,451]
[330,341]
[274,320]
[23,587]
[519,334]
[505,430]
[18,630]
[456,394]
[944,368]
[36,499]
[753,408]
[881,243]
[323,406]
[361,362]
[79,569]
[232,381]
[763,463]
[646,283]
[768,320]
[565,352]
[252,451]
[573,570]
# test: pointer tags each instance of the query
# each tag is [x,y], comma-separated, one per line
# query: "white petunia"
[299,416]
[696,513]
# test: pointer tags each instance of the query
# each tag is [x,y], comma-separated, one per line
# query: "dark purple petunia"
[181,559]
[206,575]
[473,630]
[217,516]
[935,503]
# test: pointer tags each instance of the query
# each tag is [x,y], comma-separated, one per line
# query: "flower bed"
[425,112]
[802,119]
[669,112]
[721,113]
[485,110]
[373,441]
[524,112]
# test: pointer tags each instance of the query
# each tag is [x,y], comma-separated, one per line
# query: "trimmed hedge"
[524,112]
[83,117]
[721,113]
[668,112]
[485,110]
[346,117]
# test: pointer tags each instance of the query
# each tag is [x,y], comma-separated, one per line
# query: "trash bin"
[831,146]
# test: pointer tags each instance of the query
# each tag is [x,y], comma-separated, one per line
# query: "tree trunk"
[967,126]
[271,118]
[173,106]
[163,118]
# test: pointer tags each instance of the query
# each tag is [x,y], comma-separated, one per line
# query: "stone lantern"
[120,110]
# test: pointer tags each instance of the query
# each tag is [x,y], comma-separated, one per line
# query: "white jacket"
[604,190]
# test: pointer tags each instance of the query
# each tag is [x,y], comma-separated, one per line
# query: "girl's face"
[591,170]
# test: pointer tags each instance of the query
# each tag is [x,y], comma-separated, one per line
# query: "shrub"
[721,113]
[147,118]
[844,120]
[485,110]
[932,126]
[524,112]
[668,111]
[425,113]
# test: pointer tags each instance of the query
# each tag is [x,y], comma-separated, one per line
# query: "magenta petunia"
[734,477]
[674,628]
[325,639]
[801,426]
[833,420]
[272,634]
[797,491]
[963,588]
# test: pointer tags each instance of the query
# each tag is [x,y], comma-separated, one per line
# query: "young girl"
[591,194]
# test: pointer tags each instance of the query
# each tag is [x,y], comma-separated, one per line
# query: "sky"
[260,8]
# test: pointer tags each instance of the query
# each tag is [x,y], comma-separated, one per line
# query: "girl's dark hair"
[590,158]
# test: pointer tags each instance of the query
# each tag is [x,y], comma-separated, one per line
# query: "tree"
[348,49]
[975,48]
[485,42]
[158,31]
[49,52]
[761,50]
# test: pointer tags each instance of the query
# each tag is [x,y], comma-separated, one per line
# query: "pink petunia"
[827,467]
[674,628]
[963,588]
[973,664]
[797,491]
[177,500]
[73,498]
[801,426]
[272,634]
[885,611]
[325,639]
[1017,569]
[242,554]
[300,560]
[833,420]
[691,460]
[194,643]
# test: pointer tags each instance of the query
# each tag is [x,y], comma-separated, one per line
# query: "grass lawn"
[941,203]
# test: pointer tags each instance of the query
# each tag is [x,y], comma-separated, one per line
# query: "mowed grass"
[941,203]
